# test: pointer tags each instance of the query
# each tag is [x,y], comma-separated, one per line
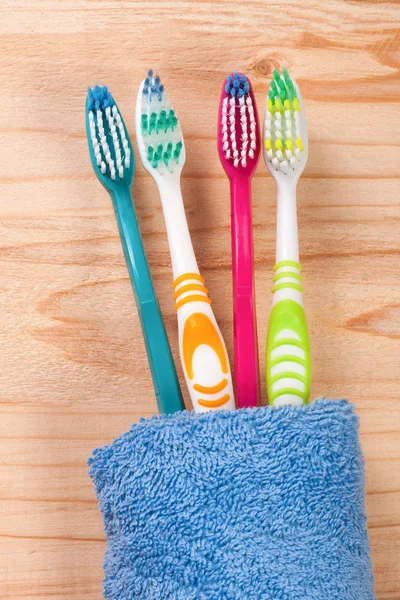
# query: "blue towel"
[255,504]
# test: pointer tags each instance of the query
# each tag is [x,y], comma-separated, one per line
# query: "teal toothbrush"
[113,162]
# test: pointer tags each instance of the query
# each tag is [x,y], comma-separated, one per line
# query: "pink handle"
[247,377]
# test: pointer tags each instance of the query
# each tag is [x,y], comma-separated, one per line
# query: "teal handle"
[162,366]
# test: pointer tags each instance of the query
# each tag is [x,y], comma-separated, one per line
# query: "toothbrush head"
[159,134]
[285,128]
[109,144]
[238,136]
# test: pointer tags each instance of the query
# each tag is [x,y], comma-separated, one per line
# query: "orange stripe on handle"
[213,389]
[191,287]
[193,298]
[187,276]
[214,403]
[199,330]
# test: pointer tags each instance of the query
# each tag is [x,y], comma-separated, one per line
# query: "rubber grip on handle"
[288,364]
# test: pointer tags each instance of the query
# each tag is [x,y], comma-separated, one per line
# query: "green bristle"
[153,121]
[286,76]
[160,150]
[161,121]
[276,75]
[177,151]
[282,91]
[173,121]
[274,89]
[166,157]
[144,123]
[150,153]
[271,95]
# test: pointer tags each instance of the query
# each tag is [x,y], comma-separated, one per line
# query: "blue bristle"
[161,88]
[246,87]
[145,91]
[240,92]
[229,78]
[90,99]
[157,80]
[233,92]
[100,98]
[150,73]
[146,82]
[228,88]
[244,78]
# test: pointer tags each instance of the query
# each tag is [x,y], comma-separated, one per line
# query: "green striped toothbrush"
[285,153]
[113,162]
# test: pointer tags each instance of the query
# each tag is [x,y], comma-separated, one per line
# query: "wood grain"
[73,371]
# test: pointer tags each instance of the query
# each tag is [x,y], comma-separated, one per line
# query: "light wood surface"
[73,371]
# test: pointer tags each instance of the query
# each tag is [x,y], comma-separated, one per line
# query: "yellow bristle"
[270,106]
[278,144]
[287,105]
[268,144]
[296,105]
[278,105]
[289,145]
[299,144]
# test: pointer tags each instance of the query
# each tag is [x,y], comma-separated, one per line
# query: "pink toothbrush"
[238,140]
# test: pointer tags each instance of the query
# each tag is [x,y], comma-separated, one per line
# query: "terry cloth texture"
[255,504]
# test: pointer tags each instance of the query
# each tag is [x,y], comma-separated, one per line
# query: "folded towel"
[255,504]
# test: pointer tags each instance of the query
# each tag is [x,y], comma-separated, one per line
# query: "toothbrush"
[285,153]
[238,142]
[202,349]
[113,162]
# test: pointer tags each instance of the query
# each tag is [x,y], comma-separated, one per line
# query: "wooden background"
[73,370]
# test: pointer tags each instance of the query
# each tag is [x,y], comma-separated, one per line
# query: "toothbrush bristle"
[160,130]
[107,134]
[238,122]
[283,124]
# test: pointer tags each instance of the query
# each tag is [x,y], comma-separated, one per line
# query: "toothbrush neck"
[287,242]
[242,235]
[180,244]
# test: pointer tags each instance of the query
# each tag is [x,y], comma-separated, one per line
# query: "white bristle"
[240,140]
[279,154]
[103,167]
[284,166]
[293,161]
[275,162]
[243,121]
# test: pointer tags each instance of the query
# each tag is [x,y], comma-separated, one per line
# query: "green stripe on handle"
[288,316]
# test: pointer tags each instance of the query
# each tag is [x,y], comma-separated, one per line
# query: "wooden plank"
[73,371]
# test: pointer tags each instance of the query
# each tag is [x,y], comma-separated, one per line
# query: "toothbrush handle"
[165,379]
[202,349]
[247,378]
[288,363]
